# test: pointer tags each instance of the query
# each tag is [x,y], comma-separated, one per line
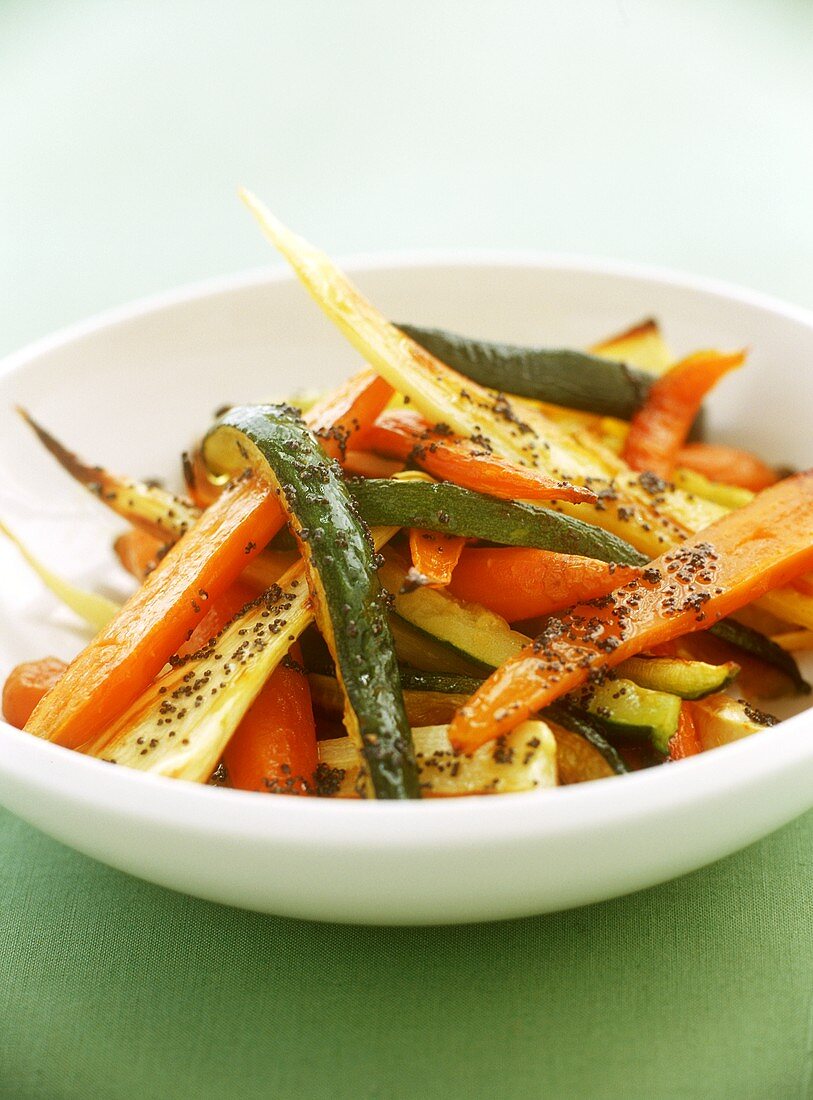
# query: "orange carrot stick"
[522,583]
[343,414]
[727,464]
[660,427]
[404,434]
[219,612]
[113,670]
[434,556]
[685,742]
[368,464]
[139,552]
[274,747]
[734,561]
[26,685]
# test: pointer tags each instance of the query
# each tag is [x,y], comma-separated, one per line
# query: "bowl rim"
[333,824]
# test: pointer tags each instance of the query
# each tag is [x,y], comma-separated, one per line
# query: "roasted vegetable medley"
[473,568]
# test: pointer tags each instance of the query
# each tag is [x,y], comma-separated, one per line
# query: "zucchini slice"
[442,506]
[468,628]
[622,707]
[420,650]
[340,561]
[415,680]
[687,679]
[575,379]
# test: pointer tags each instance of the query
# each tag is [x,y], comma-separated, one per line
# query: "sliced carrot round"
[26,685]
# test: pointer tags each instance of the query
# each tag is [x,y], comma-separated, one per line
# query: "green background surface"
[674,133]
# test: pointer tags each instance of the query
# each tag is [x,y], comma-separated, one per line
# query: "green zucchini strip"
[442,506]
[623,708]
[574,379]
[688,679]
[468,628]
[340,562]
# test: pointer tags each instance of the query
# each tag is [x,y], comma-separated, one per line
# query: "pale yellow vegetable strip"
[641,346]
[95,610]
[154,509]
[729,496]
[524,761]
[443,395]
[181,724]
[397,358]
[789,605]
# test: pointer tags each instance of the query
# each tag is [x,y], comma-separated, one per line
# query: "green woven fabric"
[112,988]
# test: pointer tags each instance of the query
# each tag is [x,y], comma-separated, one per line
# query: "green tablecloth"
[699,988]
[657,130]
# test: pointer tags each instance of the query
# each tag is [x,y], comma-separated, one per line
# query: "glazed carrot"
[368,464]
[727,464]
[660,427]
[685,742]
[26,685]
[126,655]
[804,585]
[139,552]
[404,434]
[434,556]
[521,583]
[219,612]
[342,415]
[734,561]
[274,747]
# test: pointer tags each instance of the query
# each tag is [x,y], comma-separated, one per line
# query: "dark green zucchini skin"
[413,679]
[758,645]
[574,379]
[442,506]
[339,550]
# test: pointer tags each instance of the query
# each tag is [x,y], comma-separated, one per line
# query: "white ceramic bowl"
[130,388]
